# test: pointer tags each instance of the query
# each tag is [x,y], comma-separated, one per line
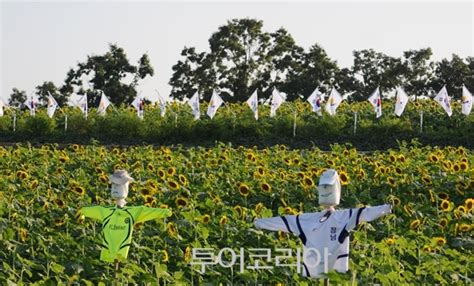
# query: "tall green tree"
[452,73]
[17,98]
[418,72]
[315,69]
[48,87]
[242,58]
[372,69]
[111,73]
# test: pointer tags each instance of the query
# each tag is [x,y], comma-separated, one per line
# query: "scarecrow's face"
[329,195]
[119,191]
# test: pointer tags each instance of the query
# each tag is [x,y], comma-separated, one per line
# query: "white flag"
[194,103]
[277,100]
[139,105]
[401,101]
[466,101]
[162,102]
[214,104]
[333,102]
[103,104]
[52,105]
[253,103]
[443,99]
[376,102]
[315,100]
[31,104]
[2,105]
[82,104]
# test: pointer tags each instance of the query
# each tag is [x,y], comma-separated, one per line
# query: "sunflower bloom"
[445,205]
[439,241]
[171,229]
[187,254]
[468,204]
[266,187]
[344,178]
[181,202]
[223,220]
[391,181]
[390,241]
[415,224]
[244,190]
[206,218]
[443,222]
[173,185]
[464,227]
[165,257]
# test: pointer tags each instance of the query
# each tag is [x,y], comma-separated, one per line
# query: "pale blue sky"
[40,41]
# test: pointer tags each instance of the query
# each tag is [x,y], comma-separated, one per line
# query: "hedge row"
[235,123]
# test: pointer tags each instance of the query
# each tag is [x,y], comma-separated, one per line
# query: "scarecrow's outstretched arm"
[359,215]
[143,213]
[285,223]
[95,212]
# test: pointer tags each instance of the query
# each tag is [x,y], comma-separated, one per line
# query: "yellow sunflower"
[34,184]
[183,180]
[390,241]
[426,248]
[181,202]
[464,227]
[445,205]
[439,241]
[244,190]
[205,218]
[79,190]
[391,181]
[161,173]
[415,224]
[307,182]
[164,257]
[223,220]
[171,171]
[443,222]
[266,187]
[171,229]
[344,178]
[258,208]
[468,204]
[22,175]
[173,185]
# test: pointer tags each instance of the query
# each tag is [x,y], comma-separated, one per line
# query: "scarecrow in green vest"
[118,220]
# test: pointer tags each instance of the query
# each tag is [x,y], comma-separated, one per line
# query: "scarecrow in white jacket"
[325,233]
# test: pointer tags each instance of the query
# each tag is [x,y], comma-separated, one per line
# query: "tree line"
[242,57]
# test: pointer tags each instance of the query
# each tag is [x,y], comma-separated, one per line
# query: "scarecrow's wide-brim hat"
[120,177]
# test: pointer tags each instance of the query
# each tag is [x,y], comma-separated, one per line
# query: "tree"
[48,87]
[242,58]
[315,70]
[453,74]
[111,73]
[417,71]
[372,69]
[17,98]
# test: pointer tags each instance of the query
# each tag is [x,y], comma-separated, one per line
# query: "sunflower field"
[215,195]
[294,124]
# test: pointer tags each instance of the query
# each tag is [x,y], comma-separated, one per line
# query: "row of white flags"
[277,99]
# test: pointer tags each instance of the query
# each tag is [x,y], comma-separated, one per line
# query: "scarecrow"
[118,220]
[325,235]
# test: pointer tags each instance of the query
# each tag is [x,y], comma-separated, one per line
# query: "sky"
[41,41]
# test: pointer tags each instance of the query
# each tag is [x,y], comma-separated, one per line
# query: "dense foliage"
[215,195]
[235,123]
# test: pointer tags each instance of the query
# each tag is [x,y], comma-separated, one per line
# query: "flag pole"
[421,121]
[355,122]
[294,123]
[65,122]
[14,121]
